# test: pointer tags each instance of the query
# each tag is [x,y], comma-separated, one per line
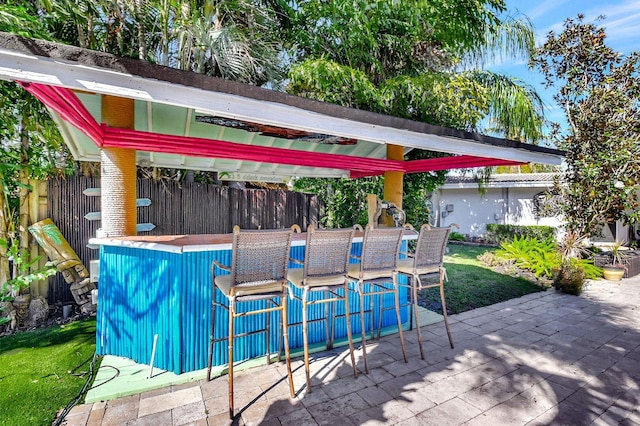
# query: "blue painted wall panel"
[136,301]
[146,292]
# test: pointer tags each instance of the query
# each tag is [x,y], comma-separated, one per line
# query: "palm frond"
[516,109]
[210,42]
[510,39]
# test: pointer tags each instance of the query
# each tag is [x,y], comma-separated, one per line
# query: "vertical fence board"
[66,206]
[176,209]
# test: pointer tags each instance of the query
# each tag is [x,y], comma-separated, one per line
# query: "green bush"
[490,259]
[544,259]
[539,257]
[498,233]
[569,277]
[456,236]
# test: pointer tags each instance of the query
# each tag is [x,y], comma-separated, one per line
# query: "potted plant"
[616,269]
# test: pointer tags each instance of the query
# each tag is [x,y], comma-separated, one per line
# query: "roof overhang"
[169,134]
[503,180]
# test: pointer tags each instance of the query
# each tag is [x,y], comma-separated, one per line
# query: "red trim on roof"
[446,163]
[71,109]
[200,147]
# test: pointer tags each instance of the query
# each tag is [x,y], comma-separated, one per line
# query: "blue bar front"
[146,292]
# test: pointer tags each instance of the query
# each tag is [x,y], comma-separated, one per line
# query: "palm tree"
[230,39]
[418,59]
[29,140]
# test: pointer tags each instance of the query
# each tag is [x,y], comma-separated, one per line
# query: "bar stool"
[378,268]
[426,261]
[325,265]
[258,272]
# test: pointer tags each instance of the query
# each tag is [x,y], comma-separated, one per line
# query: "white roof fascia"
[474,185]
[18,66]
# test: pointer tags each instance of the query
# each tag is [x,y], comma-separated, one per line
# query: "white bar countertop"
[200,242]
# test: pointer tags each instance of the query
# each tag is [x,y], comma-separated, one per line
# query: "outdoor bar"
[126,113]
[161,285]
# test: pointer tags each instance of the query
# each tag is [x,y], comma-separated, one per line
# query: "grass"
[42,370]
[472,284]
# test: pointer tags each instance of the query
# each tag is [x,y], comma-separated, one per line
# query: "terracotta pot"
[612,273]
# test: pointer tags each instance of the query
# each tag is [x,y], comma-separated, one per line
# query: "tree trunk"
[24,190]
[5,273]
[140,23]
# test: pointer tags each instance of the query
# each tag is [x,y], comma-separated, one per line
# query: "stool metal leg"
[285,331]
[212,335]
[380,303]
[305,337]
[397,299]
[414,305]
[371,309]
[363,333]
[280,335]
[328,327]
[444,307]
[349,335]
[232,314]
[268,334]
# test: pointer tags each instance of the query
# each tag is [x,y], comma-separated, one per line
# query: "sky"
[622,27]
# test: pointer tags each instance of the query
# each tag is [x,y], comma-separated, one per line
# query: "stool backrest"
[380,249]
[327,251]
[431,246]
[260,255]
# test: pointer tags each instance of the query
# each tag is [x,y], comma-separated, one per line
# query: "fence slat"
[176,209]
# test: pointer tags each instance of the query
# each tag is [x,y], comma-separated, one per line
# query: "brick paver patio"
[545,358]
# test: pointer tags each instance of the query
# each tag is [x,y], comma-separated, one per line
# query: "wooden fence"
[176,209]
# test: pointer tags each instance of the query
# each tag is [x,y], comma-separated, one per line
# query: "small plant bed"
[42,370]
[565,265]
[472,284]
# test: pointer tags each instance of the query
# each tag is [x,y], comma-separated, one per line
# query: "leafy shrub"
[591,271]
[544,260]
[22,264]
[539,257]
[498,233]
[569,277]
[489,258]
[456,236]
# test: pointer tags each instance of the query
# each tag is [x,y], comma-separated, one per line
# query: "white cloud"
[499,61]
[621,23]
[544,8]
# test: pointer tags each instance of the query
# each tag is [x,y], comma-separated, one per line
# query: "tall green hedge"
[498,233]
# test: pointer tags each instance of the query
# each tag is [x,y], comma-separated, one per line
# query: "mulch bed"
[55,318]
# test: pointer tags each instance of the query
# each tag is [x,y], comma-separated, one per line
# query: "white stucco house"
[509,199]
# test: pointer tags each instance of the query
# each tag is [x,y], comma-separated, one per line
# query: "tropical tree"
[237,40]
[412,59]
[599,90]
[20,19]
[32,148]
[416,59]
[233,39]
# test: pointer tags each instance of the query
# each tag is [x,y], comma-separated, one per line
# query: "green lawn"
[471,284]
[42,370]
